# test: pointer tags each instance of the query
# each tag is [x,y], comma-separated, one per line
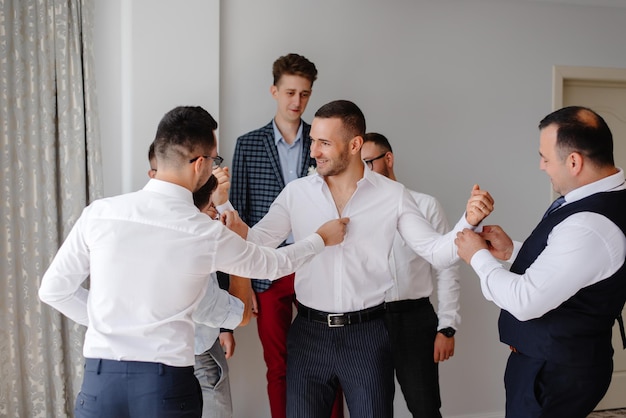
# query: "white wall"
[151,55]
[458,86]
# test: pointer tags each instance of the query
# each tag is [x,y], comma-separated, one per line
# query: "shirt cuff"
[484,263]
[317,242]
[234,315]
[463,224]
[224,207]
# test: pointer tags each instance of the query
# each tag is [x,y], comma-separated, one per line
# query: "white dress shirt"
[149,255]
[582,250]
[205,335]
[413,276]
[355,274]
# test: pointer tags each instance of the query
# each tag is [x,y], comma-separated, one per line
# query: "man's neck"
[347,179]
[288,129]
[175,178]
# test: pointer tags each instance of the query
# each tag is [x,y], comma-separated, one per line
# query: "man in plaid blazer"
[264,161]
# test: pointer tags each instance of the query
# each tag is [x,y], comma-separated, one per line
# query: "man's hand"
[499,243]
[227,341]
[333,232]
[468,242]
[220,194]
[210,210]
[231,219]
[255,305]
[479,205]
[444,347]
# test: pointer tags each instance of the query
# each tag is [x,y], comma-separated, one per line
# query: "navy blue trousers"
[129,389]
[412,326]
[357,356]
[536,388]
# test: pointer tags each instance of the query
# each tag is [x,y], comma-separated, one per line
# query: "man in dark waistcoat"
[567,283]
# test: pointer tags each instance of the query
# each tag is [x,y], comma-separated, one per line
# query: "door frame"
[562,73]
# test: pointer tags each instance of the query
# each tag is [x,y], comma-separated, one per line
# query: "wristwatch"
[448,332]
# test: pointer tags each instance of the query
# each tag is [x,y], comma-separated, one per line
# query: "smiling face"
[552,162]
[329,146]
[292,93]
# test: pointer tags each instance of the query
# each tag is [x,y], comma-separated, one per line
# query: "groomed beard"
[202,195]
[338,166]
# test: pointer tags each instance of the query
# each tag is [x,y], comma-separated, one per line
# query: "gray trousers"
[211,370]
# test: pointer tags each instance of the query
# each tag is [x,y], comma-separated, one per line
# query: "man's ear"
[575,163]
[197,165]
[389,159]
[356,144]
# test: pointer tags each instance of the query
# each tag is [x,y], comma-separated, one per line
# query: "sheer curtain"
[50,168]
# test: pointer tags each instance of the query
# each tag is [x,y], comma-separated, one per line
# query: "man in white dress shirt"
[338,335]
[213,346]
[567,283]
[149,255]
[420,338]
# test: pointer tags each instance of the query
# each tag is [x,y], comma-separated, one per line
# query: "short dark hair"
[580,129]
[203,194]
[185,131]
[151,155]
[378,139]
[349,113]
[294,64]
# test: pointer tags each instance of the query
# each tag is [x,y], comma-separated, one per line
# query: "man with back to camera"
[264,161]
[567,283]
[420,339]
[338,336]
[213,346]
[149,255]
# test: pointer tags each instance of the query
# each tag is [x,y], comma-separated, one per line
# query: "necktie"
[554,206]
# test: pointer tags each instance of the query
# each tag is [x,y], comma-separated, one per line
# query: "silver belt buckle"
[330,317]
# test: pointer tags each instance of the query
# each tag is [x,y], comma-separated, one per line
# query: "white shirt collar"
[170,189]
[279,137]
[612,182]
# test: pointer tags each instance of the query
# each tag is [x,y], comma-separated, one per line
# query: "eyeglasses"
[217,160]
[370,163]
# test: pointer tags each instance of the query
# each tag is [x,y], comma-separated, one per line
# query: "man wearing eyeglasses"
[420,338]
[213,346]
[149,255]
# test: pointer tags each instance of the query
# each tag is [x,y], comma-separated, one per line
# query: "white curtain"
[50,168]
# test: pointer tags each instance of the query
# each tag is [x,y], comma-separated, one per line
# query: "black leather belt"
[341,319]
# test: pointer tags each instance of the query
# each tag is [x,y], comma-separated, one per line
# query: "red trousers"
[276,310]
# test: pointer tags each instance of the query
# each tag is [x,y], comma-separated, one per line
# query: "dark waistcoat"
[578,332]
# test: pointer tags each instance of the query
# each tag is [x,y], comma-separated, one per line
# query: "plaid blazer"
[256,175]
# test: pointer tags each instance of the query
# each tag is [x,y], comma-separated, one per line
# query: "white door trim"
[561,73]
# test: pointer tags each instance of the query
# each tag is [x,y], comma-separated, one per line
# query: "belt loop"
[161,369]
[99,368]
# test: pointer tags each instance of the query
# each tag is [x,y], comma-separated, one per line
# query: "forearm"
[448,295]
[241,288]
[73,305]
